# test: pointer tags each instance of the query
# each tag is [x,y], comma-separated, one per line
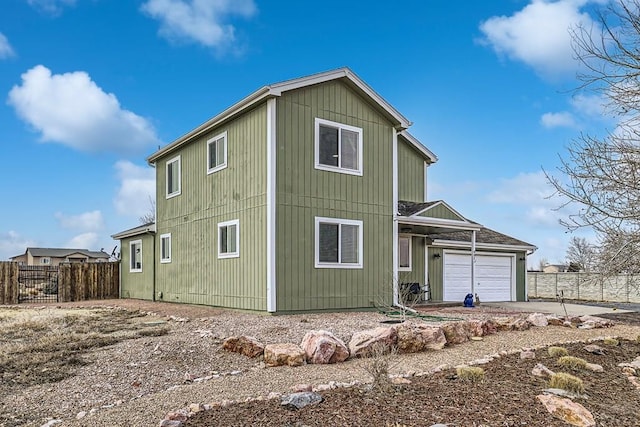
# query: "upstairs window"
[135,256]
[165,248]
[217,153]
[338,243]
[229,239]
[338,147]
[45,261]
[404,253]
[173,177]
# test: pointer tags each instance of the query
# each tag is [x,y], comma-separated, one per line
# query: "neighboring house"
[309,194]
[555,268]
[55,256]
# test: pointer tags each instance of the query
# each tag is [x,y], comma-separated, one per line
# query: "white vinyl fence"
[584,286]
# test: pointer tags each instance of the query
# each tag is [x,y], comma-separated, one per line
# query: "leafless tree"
[581,255]
[150,216]
[601,174]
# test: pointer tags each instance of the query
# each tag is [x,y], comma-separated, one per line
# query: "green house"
[310,194]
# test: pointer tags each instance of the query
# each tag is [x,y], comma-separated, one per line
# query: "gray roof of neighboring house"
[64,252]
[484,235]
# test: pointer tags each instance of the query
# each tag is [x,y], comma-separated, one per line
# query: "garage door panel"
[494,277]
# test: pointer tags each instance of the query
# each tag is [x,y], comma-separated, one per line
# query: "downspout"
[473,261]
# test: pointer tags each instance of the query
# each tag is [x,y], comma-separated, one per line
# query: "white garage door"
[494,277]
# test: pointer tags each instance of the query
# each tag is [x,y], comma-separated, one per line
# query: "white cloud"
[554,120]
[538,35]
[72,110]
[5,47]
[83,241]
[590,105]
[525,188]
[137,185]
[51,7]
[87,221]
[201,21]
[12,244]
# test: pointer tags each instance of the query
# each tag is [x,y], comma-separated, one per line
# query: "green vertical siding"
[436,273]
[411,179]
[195,274]
[137,285]
[442,212]
[304,193]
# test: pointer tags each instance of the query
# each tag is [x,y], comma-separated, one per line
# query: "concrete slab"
[554,308]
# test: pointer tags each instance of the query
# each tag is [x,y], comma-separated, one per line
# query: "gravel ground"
[136,382]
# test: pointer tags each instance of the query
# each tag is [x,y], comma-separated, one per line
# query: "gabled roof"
[399,121]
[484,235]
[149,227]
[63,252]
[410,208]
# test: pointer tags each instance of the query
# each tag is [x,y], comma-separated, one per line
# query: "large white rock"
[538,319]
[322,347]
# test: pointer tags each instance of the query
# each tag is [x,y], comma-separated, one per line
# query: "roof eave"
[483,245]
[426,153]
[147,229]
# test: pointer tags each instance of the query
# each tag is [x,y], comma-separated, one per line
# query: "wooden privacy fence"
[585,286]
[76,281]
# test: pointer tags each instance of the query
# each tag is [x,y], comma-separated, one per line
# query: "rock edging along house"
[309,194]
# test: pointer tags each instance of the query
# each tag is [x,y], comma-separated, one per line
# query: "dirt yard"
[128,363]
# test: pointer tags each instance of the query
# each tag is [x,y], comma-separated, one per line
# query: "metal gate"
[38,283]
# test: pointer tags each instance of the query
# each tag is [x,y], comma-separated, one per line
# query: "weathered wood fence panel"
[8,282]
[88,281]
[584,286]
[76,281]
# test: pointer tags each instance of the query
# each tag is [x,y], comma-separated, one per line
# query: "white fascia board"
[437,222]
[271,205]
[134,232]
[227,114]
[419,146]
[344,72]
[494,246]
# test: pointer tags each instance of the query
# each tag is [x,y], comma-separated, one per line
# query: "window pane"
[231,238]
[212,155]
[328,146]
[170,187]
[349,244]
[403,252]
[349,149]
[136,256]
[223,240]
[328,240]
[220,151]
[165,248]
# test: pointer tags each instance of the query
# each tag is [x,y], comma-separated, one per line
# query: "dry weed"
[557,351]
[573,363]
[567,382]
[470,373]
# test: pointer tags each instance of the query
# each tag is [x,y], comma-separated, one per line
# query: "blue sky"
[92,87]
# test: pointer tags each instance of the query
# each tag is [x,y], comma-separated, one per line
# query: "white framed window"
[217,153]
[404,253]
[229,239]
[338,147]
[165,248]
[174,187]
[135,256]
[338,243]
[45,260]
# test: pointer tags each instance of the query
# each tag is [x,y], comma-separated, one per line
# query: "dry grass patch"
[567,382]
[44,346]
[573,363]
[555,351]
[470,373]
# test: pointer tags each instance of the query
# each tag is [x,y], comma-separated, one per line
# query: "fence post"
[556,290]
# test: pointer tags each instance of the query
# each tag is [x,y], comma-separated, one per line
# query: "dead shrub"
[470,373]
[378,364]
[557,351]
[572,362]
[613,342]
[567,382]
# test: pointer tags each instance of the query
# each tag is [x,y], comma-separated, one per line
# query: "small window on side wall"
[173,177]
[229,239]
[217,153]
[338,147]
[165,248]
[135,256]
[338,243]
[404,253]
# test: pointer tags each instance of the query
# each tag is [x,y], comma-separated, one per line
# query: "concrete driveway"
[554,307]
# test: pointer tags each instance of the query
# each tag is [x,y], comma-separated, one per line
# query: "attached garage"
[494,276]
